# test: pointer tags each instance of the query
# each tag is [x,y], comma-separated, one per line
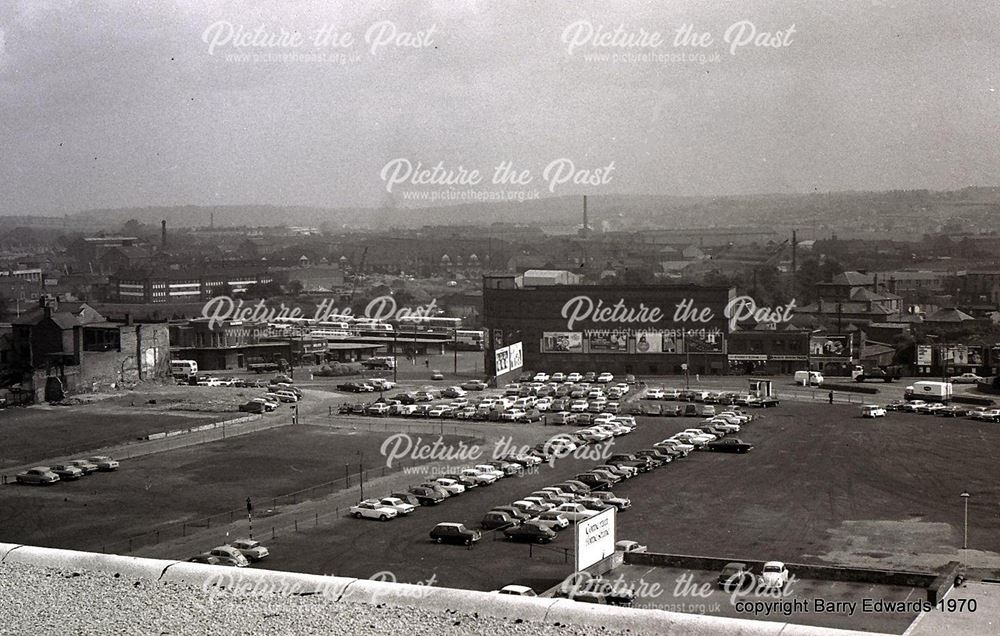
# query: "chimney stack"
[163,234]
[795,248]
[585,226]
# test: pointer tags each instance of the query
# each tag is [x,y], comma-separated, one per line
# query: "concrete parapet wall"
[372,592]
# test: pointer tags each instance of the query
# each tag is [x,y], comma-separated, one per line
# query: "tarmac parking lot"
[822,485]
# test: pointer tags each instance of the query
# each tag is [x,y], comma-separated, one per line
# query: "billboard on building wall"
[830,346]
[516,356]
[562,342]
[703,341]
[976,357]
[672,342]
[649,342]
[510,358]
[925,355]
[608,342]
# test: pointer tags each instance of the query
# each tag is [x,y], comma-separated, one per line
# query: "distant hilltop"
[909,211]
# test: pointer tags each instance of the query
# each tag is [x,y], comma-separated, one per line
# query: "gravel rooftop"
[36,600]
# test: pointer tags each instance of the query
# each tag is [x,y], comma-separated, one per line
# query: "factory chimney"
[163,234]
[795,250]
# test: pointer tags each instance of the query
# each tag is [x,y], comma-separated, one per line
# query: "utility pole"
[250,517]
[455,347]
[965,537]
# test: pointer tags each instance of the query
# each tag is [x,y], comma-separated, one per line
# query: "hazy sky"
[115,103]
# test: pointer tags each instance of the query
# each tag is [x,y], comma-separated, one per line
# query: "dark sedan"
[729,445]
[530,531]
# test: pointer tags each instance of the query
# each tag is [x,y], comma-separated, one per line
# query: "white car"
[775,575]
[104,463]
[541,502]
[723,424]
[558,377]
[575,511]
[378,408]
[574,377]
[490,470]
[251,549]
[373,510]
[479,477]
[872,411]
[671,394]
[655,394]
[605,378]
[381,384]
[286,396]
[543,404]
[697,431]
[452,486]
[516,590]
[541,377]
[912,406]
[439,411]
[695,440]
[400,506]
[512,415]
[623,387]
[966,378]
[676,444]
[556,520]
[579,406]
[987,415]
[523,458]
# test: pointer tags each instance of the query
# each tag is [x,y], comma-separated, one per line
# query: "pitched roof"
[853,279]
[948,314]
[66,316]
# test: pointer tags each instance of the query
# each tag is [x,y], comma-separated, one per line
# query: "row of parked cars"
[369,385]
[983,413]
[709,397]
[279,390]
[70,471]
[239,553]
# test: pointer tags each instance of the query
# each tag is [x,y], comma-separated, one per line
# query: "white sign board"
[595,539]
[508,358]
[516,356]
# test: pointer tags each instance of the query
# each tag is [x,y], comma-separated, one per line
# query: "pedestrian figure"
[831,397]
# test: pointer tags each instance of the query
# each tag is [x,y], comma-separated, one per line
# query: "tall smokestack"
[163,234]
[795,249]
[585,226]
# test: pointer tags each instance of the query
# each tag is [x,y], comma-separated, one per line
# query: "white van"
[803,378]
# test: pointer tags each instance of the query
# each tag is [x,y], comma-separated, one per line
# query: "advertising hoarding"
[516,356]
[925,355]
[562,342]
[649,342]
[703,341]
[510,358]
[830,346]
[595,539]
[608,342]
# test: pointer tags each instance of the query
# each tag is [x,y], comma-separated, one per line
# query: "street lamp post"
[965,534]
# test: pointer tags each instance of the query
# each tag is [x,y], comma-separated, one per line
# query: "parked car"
[530,531]
[575,511]
[474,385]
[605,378]
[454,533]
[553,519]
[427,496]
[370,509]
[401,507]
[912,406]
[229,555]
[775,575]
[729,445]
[495,519]
[252,550]
[736,576]
[966,378]
[84,465]
[67,472]
[407,497]
[517,590]
[953,411]
[871,410]
[37,476]
[206,559]
[103,463]
[437,375]
[452,486]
